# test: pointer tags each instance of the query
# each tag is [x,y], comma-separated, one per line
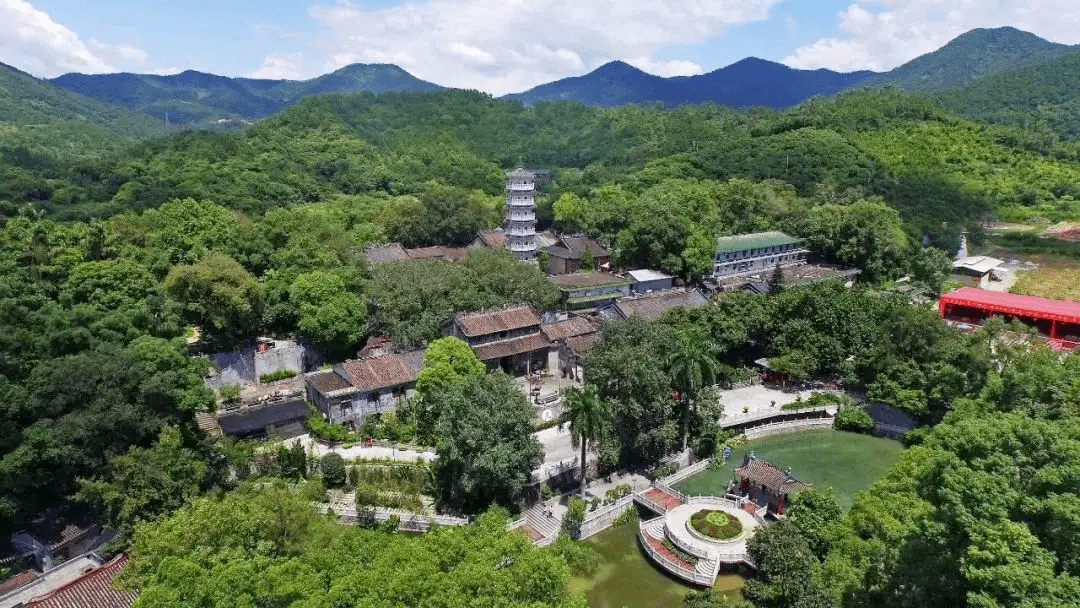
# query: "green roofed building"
[591,289]
[747,254]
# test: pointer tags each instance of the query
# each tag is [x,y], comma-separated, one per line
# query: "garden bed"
[716,524]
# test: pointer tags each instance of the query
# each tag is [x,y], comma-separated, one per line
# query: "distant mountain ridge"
[975,54]
[194,97]
[749,82]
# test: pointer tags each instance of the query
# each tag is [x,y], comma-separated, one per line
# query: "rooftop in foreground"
[1014,304]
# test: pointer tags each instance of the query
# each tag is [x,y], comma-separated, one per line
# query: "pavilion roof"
[775,479]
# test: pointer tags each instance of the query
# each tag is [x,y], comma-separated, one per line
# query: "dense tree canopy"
[267,547]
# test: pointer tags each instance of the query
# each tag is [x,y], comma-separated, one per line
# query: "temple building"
[756,253]
[1057,320]
[508,338]
[767,484]
[520,224]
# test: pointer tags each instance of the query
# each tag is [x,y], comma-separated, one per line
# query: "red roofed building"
[507,338]
[357,388]
[91,590]
[1059,320]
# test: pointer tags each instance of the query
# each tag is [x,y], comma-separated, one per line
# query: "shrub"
[333,470]
[716,524]
[280,374]
[665,470]
[679,553]
[626,517]
[575,515]
[853,419]
[546,492]
[323,429]
[594,503]
[314,490]
[230,393]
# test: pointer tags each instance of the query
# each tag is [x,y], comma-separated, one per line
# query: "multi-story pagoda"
[520,224]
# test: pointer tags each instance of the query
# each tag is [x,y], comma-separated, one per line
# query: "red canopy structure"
[1054,318]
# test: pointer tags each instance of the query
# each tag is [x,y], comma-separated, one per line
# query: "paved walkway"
[359,451]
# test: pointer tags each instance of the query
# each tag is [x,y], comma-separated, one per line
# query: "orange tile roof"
[92,590]
[483,323]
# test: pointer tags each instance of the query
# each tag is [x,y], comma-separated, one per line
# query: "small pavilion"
[767,484]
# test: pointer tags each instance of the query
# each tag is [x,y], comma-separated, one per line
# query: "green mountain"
[40,118]
[1039,97]
[970,56]
[749,82]
[195,98]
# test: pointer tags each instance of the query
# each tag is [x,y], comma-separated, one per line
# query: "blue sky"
[497,46]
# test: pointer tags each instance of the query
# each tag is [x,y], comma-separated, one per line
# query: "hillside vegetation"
[39,119]
[931,166]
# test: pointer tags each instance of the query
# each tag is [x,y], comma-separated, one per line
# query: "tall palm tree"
[692,365]
[586,414]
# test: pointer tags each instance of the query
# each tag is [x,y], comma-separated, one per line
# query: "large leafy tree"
[218,295]
[329,314]
[147,483]
[587,415]
[634,384]
[485,443]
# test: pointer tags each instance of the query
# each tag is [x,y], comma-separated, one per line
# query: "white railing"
[760,514]
[407,519]
[517,523]
[685,472]
[677,569]
[686,546]
[738,419]
[601,518]
[713,500]
[790,425]
[649,503]
[670,490]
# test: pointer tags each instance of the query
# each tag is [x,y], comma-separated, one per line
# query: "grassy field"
[1057,281]
[848,462]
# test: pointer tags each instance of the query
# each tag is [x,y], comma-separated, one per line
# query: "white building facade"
[756,253]
[520,223]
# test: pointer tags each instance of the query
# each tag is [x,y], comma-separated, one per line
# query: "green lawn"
[848,462]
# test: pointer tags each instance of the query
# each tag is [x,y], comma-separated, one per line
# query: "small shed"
[977,270]
[646,280]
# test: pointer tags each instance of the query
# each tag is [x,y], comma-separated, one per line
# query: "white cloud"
[675,67]
[280,66]
[882,34]
[503,46]
[119,53]
[31,41]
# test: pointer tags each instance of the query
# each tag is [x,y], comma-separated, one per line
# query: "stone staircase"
[547,525]
[655,528]
[707,566]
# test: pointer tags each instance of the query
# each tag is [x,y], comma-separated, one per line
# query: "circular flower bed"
[716,524]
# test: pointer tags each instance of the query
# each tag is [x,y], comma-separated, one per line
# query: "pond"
[847,462]
[627,578]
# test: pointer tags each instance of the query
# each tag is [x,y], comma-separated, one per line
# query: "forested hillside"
[195,99]
[928,164]
[39,119]
[975,54]
[1041,97]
